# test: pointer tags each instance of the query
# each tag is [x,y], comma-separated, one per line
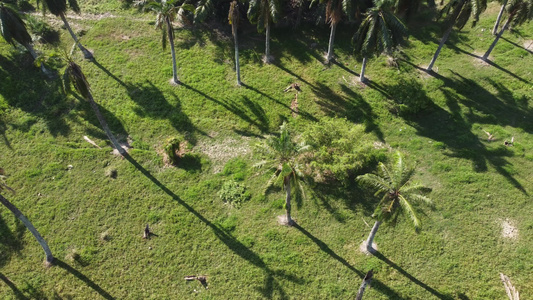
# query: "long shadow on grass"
[3,128]
[248,110]
[23,86]
[10,240]
[378,285]
[18,293]
[352,107]
[518,46]
[271,284]
[83,278]
[412,278]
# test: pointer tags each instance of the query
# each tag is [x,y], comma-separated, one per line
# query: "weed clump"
[172,150]
[233,193]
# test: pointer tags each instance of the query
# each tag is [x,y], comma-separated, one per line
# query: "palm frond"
[202,10]
[409,211]
[12,27]
[375,181]
[73,4]
[78,79]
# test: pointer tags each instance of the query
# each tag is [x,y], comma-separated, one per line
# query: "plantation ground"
[481,224]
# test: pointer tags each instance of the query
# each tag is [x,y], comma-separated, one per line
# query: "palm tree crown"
[12,27]
[398,191]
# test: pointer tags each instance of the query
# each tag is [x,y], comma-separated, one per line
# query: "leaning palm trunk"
[495,29]
[445,37]
[362,75]
[103,122]
[29,225]
[370,239]
[486,56]
[86,53]
[331,40]
[237,65]
[366,282]
[287,181]
[173,51]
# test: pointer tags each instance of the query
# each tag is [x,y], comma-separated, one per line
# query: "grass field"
[93,222]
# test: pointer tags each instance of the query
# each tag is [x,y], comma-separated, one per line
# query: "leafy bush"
[233,193]
[171,149]
[341,150]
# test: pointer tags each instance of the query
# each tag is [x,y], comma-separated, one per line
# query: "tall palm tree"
[234,19]
[165,14]
[381,31]
[519,12]
[399,194]
[74,75]
[23,219]
[283,156]
[334,12]
[13,28]
[264,13]
[59,8]
[499,18]
[457,13]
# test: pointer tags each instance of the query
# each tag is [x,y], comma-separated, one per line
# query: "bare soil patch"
[509,229]
[220,151]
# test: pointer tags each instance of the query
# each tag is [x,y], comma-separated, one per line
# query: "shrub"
[233,193]
[171,149]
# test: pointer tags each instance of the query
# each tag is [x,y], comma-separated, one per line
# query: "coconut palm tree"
[264,13]
[457,13]
[381,31]
[283,156]
[234,18]
[334,12]
[519,12]
[74,75]
[165,14]
[13,28]
[59,8]
[23,219]
[399,194]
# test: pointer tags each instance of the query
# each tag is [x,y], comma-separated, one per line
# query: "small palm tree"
[399,194]
[519,12]
[23,219]
[59,8]
[381,31]
[234,19]
[13,29]
[283,156]
[74,75]
[457,13]
[264,13]
[165,14]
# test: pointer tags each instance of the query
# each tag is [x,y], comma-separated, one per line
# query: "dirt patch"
[509,229]
[528,45]
[220,151]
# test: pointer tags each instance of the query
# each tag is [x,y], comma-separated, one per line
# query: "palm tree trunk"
[237,65]
[370,239]
[86,53]
[331,40]
[103,122]
[29,225]
[445,36]
[267,43]
[45,71]
[173,51]
[362,75]
[366,281]
[287,182]
[486,56]
[495,29]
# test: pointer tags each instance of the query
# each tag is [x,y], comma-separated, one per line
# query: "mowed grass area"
[85,213]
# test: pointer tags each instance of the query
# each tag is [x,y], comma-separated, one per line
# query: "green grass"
[458,254]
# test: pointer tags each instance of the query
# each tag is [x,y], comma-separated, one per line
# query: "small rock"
[69,167]
[149,248]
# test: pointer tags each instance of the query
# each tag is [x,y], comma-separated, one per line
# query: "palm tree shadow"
[352,107]
[516,45]
[10,240]
[378,285]
[271,284]
[3,128]
[18,293]
[83,278]
[18,74]
[435,293]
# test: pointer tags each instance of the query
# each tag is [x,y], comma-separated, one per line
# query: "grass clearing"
[93,222]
